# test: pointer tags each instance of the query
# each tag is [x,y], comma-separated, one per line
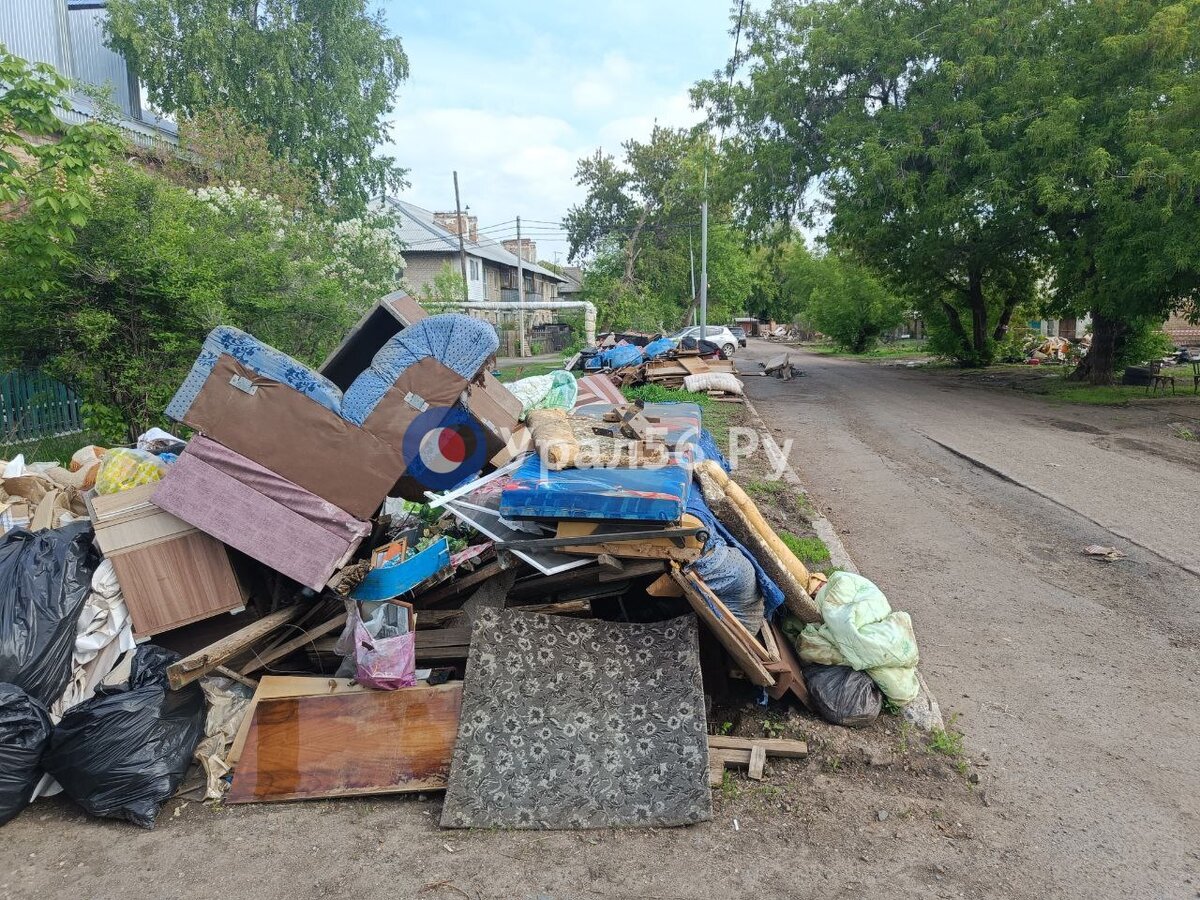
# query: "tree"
[1115,151]
[640,223]
[46,170]
[902,116]
[317,76]
[156,266]
[445,290]
[840,298]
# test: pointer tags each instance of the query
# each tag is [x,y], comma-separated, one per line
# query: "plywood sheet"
[176,582]
[342,745]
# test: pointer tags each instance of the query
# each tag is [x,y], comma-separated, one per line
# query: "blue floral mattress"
[259,357]
[632,495]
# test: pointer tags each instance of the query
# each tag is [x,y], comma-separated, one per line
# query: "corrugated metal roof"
[420,233]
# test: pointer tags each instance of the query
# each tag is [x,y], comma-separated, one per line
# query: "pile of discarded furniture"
[699,367]
[396,574]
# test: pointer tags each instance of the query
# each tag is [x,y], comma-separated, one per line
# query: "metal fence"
[33,406]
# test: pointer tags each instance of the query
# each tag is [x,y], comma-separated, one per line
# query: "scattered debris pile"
[700,367]
[395,575]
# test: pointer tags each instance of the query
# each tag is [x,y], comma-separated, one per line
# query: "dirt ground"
[1074,682]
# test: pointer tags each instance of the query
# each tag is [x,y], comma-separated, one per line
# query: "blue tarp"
[658,348]
[616,357]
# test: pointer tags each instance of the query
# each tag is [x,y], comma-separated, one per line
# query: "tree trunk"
[1108,340]
[979,323]
[1005,318]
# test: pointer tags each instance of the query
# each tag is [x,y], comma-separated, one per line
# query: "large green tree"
[1113,150]
[46,171]
[639,225]
[900,118]
[317,76]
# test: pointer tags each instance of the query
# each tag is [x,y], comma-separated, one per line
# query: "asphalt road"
[1075,680]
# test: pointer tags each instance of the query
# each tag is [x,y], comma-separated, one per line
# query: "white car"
[716,334]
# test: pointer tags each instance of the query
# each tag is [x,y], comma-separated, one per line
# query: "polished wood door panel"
[340,745]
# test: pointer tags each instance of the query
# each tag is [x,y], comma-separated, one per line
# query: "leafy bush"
[157,266]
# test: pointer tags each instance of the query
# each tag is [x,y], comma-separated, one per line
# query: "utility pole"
[462,250]
[692,270]
[521,290]
[704,261]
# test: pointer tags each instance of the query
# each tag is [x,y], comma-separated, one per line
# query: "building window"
[474,269]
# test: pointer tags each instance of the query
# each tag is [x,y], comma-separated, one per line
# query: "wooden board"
[772,746]
[648,547]
[758,760]
[271,687]
[265,658]
[789,677]
[374,742]
[204,660]
[718,618]
[176,582]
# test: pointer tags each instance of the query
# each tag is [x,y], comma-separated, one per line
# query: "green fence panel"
[33,406]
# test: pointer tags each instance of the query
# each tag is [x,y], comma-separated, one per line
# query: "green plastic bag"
[558,390]
[861,631]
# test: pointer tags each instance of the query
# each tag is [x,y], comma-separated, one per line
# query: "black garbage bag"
[123,753]
[45,579]
[25,728]
[843,696]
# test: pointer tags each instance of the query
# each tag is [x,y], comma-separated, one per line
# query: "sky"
[513,94]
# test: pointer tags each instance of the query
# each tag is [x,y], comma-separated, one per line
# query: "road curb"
[923,712]
[838,554]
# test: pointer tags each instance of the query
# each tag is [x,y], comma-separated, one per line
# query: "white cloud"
[508,164]
[604,85]
[674,111]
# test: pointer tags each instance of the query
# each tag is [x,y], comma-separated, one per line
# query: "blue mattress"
[259,357]
[631,495]
[459,342]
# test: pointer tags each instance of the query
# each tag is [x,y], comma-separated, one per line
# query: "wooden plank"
[208,658]
[740,758]
[793,679]
[758,759]
[262,660]
[773,746]
[664,586]
[443,637]
[768,641]
[454,589]
[743,634]
[236,676]
[374,742]
[648,547]
[272,687]
[563,608]
[717,622]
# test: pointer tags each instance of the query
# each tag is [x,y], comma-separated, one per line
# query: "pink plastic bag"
[384,663]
